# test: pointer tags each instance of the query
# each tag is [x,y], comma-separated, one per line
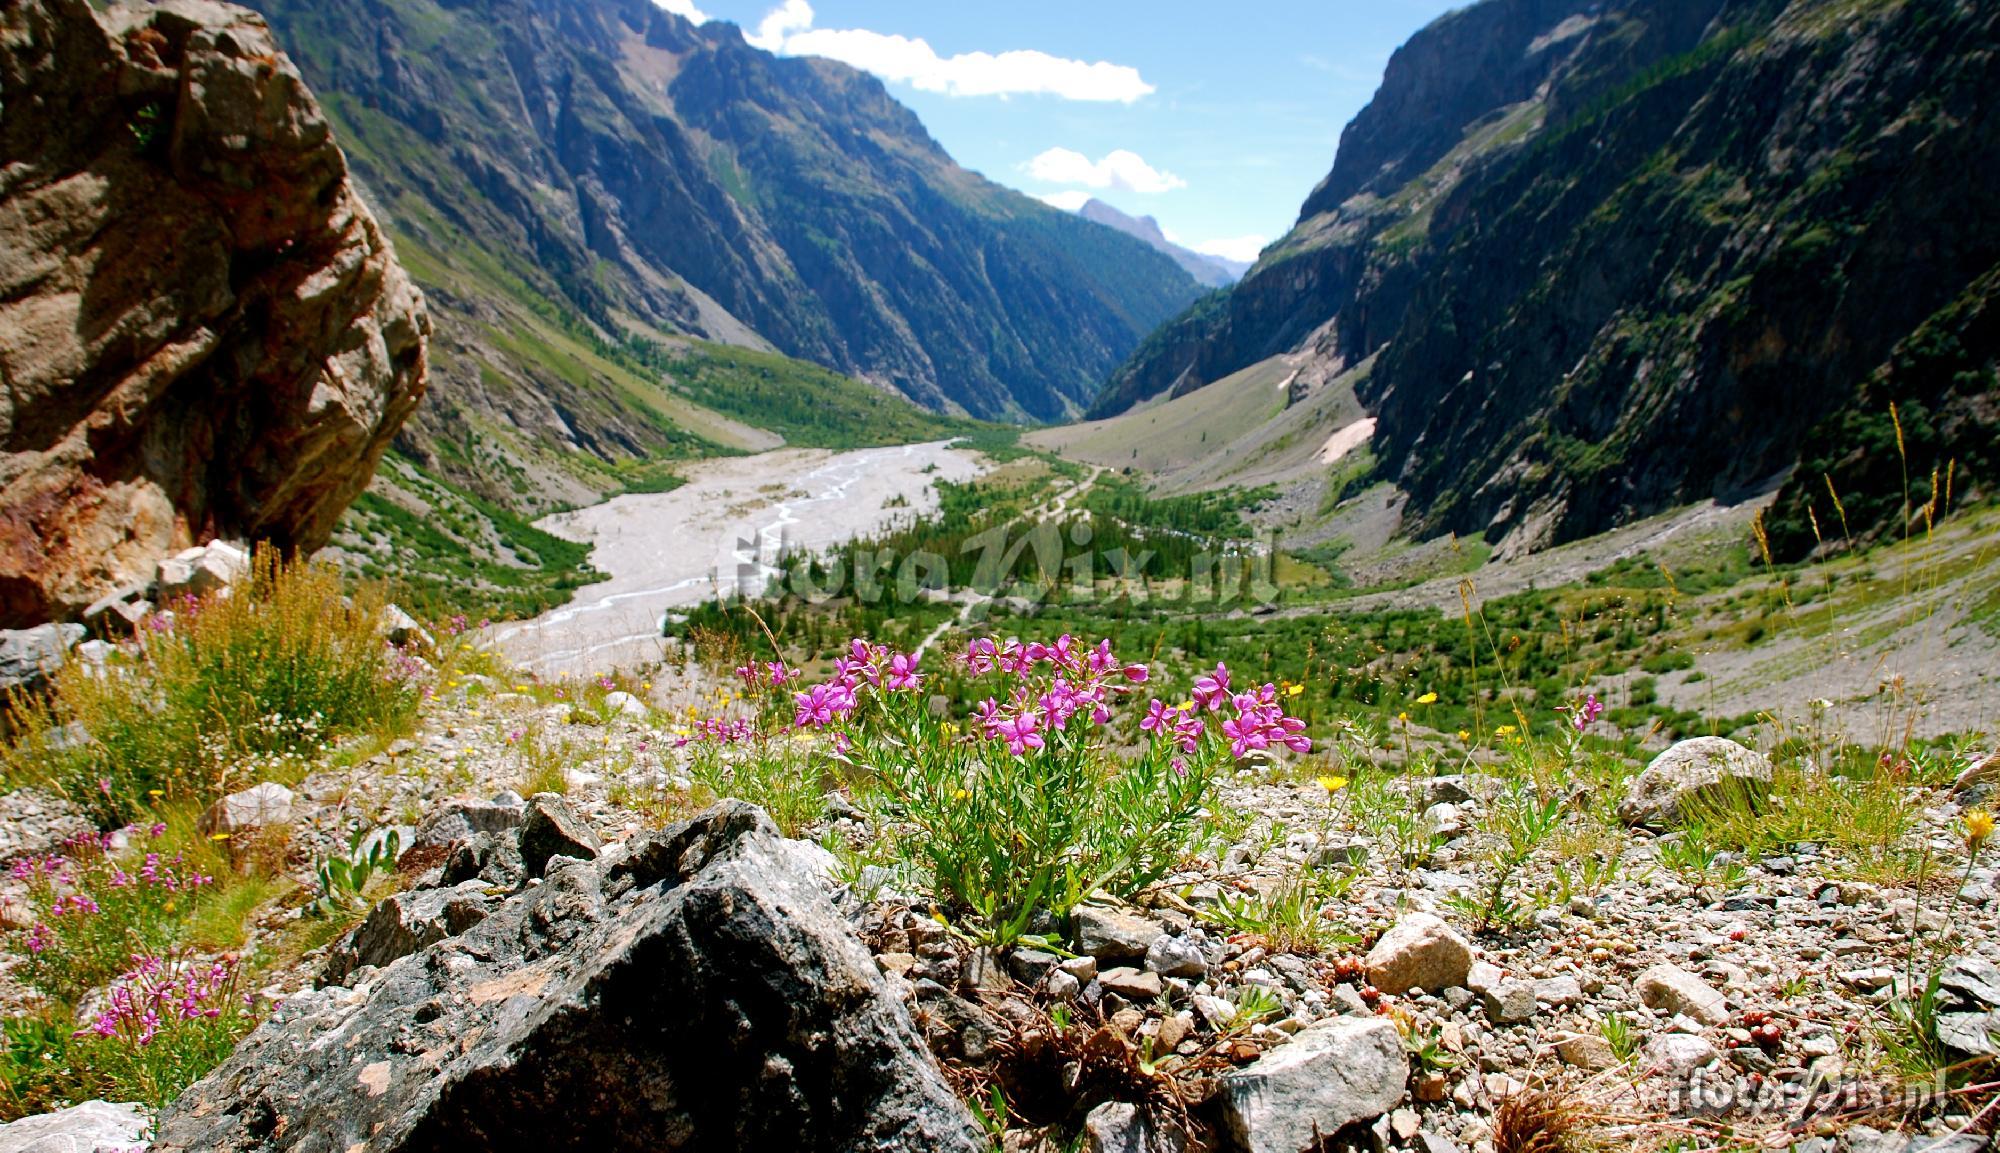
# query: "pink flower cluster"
[1055,684]
[156,994]
[1585,714]
[773,674]
[716,731]
[865,666]
[1260,722]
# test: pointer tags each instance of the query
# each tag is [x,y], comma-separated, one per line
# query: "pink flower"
[1158,718]
[1019,733]
[981,656]
[820,705]
[1587,713]
[903,672]
[1246,734]
[1212,691]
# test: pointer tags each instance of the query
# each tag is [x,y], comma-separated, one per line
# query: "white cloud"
[788,29]
[1243,248]
[684,8]
[1069,200]
[780,22]
[1119,169]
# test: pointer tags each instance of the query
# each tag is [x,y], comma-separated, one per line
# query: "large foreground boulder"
[690,990]
[203,332]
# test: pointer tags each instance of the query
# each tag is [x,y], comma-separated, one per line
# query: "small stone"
[1483,975]
[1112,934]
[1176,957]
[1132,984]
[1559,990]
[1330,1076]
[625,704]
[1214,1010]
[1084,969]
[1587,1051]
[1973,977]
[258,807]
[1973,1034]
[1868,980]
[1063,987]
[91,1125]
[1430,1088]
[1174,1030]
[1509,1002]
[402,630]
[1698,767]
[1405,1124]
[1032,966]
[1678,1054]
[1672,989]
[1121,1127]
[898,963]
[1420,951]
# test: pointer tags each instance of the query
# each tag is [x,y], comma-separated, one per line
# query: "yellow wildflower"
[1428,699]
[1978,827]
[961,795]
[1403,717]
[1294,690]
[1463,735]
[1503,730]
[218,836]
[1333,784]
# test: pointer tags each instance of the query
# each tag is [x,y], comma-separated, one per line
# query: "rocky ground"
[1306,969]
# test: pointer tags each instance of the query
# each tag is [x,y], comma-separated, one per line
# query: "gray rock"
[258,807]
[1176,957]
[1712,767]
[33,822]
[1559,990]
[1331,1075]
[119,613]
[684,990]
[1509,1002]
[1120,1127]
[1587,1051]
[1672,989]
[461,820]
[1678,1054]
[1031,966]
[1449,790]
[29,657]
[625,704]
[1419,951]
[1974,978]
[199,571]
[1110,934]
[81,1128]
[1132,984]
[403,630]
[1973,1034]
[553,828]
[406,922]
[491,858]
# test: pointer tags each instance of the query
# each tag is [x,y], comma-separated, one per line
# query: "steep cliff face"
[607,170]
[1620,256]
[202,330]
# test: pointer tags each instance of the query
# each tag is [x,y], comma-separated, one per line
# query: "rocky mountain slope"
[202,330]
[1617,257]
[576,180]
[1211,271]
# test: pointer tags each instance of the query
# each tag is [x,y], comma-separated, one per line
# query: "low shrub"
[225,691]
[1025,808]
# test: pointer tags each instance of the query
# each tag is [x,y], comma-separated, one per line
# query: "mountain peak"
[1211,271]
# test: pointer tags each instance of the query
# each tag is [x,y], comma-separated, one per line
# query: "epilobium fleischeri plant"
[1026,806]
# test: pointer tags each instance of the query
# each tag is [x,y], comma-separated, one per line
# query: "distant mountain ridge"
[1207,270]
[1616,255]
[578,184]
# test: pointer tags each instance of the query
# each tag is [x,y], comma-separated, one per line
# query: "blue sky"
[1216,120]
